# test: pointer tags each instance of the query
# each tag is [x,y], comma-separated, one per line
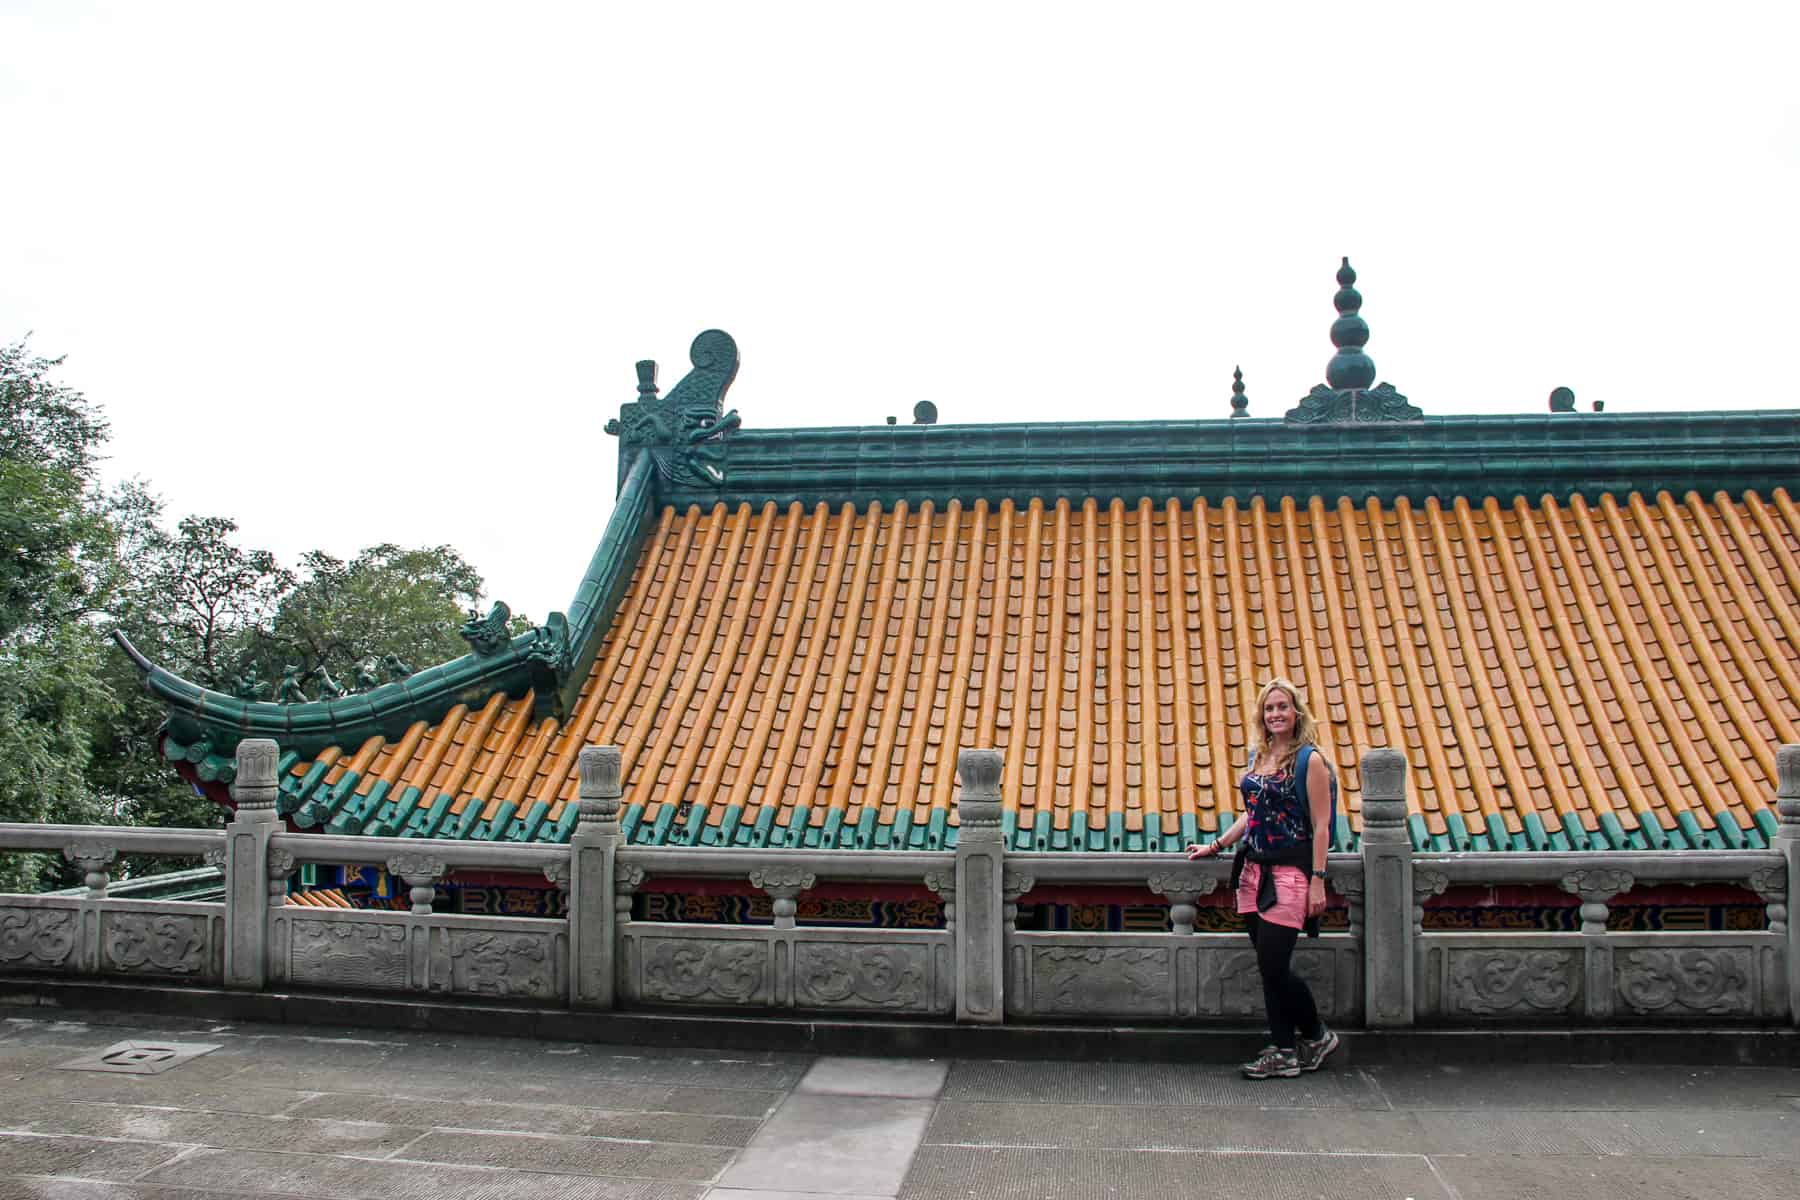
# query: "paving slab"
[81,1157]
[839,1145]
[1614,1178]
[570,1155]
[222,1130]
[1575,1087]
[901,1078]
[252,1173]
[969,1173]
[1185,1085]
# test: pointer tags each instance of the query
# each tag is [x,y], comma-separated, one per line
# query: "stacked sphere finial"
[1349,369]
[1240,403]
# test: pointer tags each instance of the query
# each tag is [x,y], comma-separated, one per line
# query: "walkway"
[276,1111]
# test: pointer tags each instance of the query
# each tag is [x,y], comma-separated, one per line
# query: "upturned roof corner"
[209,724]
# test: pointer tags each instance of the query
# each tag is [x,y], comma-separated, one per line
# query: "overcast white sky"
[371,272]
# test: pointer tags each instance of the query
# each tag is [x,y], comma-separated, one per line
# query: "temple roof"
[1580,628]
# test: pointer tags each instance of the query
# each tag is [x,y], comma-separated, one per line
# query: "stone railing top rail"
[127,839]
[1102,868]
[1552,866]
[451,852]
[907,865]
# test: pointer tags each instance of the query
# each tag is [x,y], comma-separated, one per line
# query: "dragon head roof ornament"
[684,431]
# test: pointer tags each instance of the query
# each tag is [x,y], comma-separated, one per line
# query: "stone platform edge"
[40,998]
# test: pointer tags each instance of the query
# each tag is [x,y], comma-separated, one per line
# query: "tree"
[52,534]
[387,600]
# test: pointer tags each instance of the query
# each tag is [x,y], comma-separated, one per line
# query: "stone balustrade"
[1385,970]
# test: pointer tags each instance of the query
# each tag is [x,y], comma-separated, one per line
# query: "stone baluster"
[281,868]
[593,880]
[783,886]
[943,885]
[247,885]
[980,891]
[1787,841]
[95,859]
[1388,901]
[1595,886]
[1183,888]
[421,873]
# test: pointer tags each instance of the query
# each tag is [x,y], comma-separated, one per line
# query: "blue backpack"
[1301,763]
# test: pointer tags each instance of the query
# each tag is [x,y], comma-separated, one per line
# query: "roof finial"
[1349,368]
[1240,403]
[1346,396]
[646,372]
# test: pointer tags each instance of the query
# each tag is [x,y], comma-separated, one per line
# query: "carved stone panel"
[1678,982]
[142,943]
[703,971]
[38,939]
[1512,983]
[486,962]
[1101,981]
[1240,983]
[859,975]
[351,954]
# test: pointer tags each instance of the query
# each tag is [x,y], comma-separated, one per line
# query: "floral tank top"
[1277,826]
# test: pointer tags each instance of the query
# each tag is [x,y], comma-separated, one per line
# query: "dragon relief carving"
[1513,981]
[491,963]
[36,937]
[1240,984]
[162,942]
[1701,981]
[684,431]
[347,954]
[1068,979]
[693,969]
[860,976]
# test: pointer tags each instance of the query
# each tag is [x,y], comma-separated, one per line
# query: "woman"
[1280,875]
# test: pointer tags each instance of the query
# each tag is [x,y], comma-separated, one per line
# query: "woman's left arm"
[1318,799]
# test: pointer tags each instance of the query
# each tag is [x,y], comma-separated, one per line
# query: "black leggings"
[1285,995]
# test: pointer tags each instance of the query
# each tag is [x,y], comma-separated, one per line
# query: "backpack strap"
[1302,762]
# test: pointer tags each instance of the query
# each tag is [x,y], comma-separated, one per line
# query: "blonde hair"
[1306,730]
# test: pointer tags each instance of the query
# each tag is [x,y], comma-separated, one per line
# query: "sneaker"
[1272,1062]
[1312,1054]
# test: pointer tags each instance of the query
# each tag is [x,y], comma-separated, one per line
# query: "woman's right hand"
[1196,850]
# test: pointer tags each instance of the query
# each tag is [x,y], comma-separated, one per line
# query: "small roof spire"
[1240,403]
[1349,368]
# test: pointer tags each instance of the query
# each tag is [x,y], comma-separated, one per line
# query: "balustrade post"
[1387,854]
[1787,841]
[980,928]
[1595,886]
[593,934]
[247,864]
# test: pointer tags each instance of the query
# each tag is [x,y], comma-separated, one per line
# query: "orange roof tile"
[1620,670]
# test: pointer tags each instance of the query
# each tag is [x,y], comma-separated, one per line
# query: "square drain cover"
[140,1058]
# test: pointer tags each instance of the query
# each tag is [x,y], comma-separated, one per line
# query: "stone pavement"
[272,1110]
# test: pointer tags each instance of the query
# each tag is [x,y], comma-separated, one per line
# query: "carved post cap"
[1787,772]
[1383,775]
[600,771]
[980,771]
[256,759]
[253,786]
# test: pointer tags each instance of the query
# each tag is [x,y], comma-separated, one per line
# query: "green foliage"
[51,692]
[78,733]
[387,600]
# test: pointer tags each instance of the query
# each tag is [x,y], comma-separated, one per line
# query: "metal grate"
[140,1058]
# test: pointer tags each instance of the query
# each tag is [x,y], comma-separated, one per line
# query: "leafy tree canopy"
[77,731]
